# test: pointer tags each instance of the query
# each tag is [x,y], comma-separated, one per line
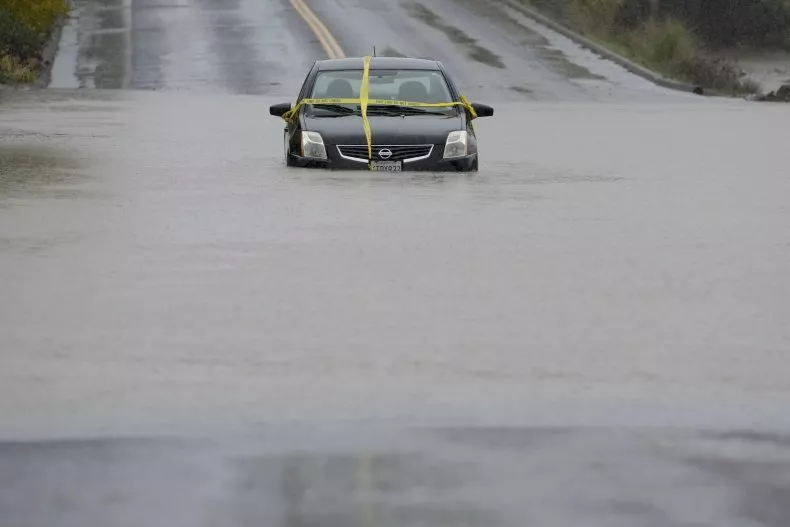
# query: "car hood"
[416,129]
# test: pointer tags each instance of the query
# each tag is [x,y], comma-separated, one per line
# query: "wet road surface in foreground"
[455,477]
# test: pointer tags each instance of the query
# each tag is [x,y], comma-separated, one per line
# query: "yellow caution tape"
[363,105]
[291,114]
[364,101]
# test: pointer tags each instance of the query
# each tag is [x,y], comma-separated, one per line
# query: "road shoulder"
[600,49]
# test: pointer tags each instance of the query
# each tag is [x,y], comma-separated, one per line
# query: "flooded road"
[156,266]
[585,332]
[591,330]
[163,258]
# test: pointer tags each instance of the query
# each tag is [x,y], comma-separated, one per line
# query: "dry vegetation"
[679,38]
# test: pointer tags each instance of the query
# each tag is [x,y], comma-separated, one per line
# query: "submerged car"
[432,132]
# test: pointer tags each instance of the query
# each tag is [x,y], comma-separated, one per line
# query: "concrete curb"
[48,56]
[603,51]
[51,49]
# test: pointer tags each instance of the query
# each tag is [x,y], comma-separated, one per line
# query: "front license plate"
[385,166]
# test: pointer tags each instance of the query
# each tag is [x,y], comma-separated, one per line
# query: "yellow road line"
[328,42]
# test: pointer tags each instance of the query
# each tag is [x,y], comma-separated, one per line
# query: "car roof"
[381,63]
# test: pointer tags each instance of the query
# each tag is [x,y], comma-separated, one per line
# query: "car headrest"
[413,91]
[339,89]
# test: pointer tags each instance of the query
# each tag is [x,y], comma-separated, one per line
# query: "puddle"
[31,170]
[110,19]
[104,3]
[522,89]
[82,108]
[751,436]
[503,438]
[475,51]
[559,63]
[364,489]
[233,42]
[59,100]
[102,63]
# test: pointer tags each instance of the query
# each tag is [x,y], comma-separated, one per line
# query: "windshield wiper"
[394,109]
[337,108]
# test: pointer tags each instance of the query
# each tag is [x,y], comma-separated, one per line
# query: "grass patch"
[669,48]
[16,71]
[37,15]
[25,29]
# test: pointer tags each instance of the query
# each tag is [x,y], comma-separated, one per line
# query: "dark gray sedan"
[433,132]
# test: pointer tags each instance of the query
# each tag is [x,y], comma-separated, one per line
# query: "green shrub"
[600,14]
[727,23]
[665,44]
[37,15]
[717,23]
[17,39]
[25,27]
[15,71]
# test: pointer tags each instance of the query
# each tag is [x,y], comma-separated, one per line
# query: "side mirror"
[278,110]
[483,110]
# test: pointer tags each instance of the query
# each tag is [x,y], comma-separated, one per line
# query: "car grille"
[399,152]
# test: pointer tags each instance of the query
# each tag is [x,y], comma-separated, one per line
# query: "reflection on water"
[503,438]
[474,50]
[34,170]
[465,477]
[94,49]
[368,490]
[555,59]
[104,56]
[510,181]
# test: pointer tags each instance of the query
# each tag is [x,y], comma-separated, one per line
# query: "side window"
[451,85]
[306,83]
[322,82]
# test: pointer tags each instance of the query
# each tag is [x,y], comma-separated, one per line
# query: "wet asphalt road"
[453,477]
[264,47]
[592,330]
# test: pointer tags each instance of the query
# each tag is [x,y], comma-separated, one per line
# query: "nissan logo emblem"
[385,153]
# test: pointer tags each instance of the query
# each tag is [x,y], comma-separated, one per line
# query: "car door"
[292,127]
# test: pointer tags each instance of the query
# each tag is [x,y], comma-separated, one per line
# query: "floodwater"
[590,330]
[175,268]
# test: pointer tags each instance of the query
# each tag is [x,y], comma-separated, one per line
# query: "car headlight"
[313,145]
[457,145]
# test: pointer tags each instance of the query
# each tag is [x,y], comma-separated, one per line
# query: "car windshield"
[427,86]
